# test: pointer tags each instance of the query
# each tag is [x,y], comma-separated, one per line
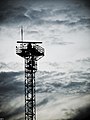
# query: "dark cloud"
[74,85]
[75,81]
[13,114]
[22,11]
[85,2]
[37,14]
[65,108]
[13,15]
[10,87]
[43,102]
[82,22]
[55,81]
[82,114]
[40,17]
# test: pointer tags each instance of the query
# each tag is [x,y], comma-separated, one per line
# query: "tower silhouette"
[31,52]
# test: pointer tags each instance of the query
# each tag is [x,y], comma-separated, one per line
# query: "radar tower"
[31,52]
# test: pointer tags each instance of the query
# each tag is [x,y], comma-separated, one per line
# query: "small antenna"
[22,33]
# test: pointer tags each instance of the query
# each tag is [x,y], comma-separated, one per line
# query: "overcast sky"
[64,28]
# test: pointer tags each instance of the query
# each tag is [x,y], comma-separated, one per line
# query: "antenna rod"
[22,33]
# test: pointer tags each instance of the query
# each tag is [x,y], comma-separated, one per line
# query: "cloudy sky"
[63,77]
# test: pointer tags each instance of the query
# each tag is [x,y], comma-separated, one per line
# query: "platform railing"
[21,47]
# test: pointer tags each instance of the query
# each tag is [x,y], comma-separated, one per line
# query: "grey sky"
[64,28]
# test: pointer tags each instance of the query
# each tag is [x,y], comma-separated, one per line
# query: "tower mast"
[31,52]
[22,33]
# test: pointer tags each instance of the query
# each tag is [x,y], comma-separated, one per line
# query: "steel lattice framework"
[31,52]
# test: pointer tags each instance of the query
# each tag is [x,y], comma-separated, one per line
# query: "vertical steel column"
[30,103]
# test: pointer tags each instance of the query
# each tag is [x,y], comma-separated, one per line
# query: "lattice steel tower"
[31,52]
